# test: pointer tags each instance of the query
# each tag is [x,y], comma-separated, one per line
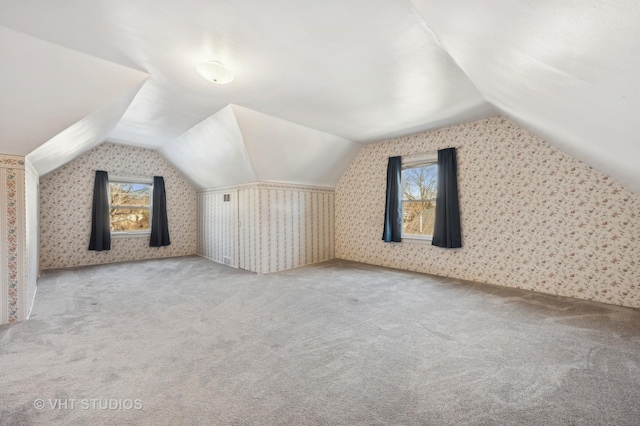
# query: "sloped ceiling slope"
[566,70]
[82,136]
[238,145]
[46,88]
[282,151]
[212,153]
[363,70]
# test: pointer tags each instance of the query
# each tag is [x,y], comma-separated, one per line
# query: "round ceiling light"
[214,72]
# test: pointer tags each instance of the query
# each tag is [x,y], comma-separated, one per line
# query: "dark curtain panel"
[446,232]
[100,226]
[392,231]
[159,222]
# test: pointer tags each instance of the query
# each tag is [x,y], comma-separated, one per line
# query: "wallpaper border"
[13,227]
[270,185]
[11,161]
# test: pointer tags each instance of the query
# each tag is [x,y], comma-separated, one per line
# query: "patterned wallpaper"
[65,208]
[532,216]
[267,227]
[17,282]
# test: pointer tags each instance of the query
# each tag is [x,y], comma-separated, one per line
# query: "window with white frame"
[419,186]
[130,206]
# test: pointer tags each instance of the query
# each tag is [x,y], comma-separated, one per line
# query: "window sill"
[130,234]
[417,240]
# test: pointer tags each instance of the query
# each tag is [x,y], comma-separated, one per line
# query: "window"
[419,185]
[130,207]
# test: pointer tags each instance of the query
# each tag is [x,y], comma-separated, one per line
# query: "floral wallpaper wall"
[532,216]
[65,208]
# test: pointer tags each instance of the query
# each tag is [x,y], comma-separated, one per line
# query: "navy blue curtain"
[159,222]
[446,232]
[100,225]
[392,231]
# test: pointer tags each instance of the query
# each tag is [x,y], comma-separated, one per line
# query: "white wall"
[32,206]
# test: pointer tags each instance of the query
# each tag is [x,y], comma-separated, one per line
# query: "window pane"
[133,194]
[123,219]
[420,183]
[418,217]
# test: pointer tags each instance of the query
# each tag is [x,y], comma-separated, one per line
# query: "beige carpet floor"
[189,341]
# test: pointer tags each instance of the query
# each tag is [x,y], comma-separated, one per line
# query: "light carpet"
[190,341]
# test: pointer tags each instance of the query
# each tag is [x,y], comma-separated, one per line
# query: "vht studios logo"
[88,404]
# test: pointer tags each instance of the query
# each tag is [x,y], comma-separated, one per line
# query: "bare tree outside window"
[419,185]
[130,206]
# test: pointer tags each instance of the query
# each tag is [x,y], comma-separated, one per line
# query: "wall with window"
[65,208]
[267,227]
[532,216]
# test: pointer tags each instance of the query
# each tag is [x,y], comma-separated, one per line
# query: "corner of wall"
[272,227]
[32,226]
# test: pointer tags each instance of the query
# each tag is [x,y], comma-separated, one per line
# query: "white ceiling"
[238,145]
[212,153]
[358,69]
[80,137]
[45,88]
[567,70]
[362,70]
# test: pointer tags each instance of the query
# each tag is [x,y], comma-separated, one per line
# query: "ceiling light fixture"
[214,72]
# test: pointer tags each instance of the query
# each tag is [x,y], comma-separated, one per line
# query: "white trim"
[413,162]
[225,264]
[33,302]
[124,234]
[420,160]
[131,179]
[28,167]
[269,185]
[416,239]
[119,179]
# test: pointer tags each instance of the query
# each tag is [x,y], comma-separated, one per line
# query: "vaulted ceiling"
[313,79]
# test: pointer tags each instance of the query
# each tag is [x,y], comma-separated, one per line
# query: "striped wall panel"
[218,226]
[278,226]
[297,226]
